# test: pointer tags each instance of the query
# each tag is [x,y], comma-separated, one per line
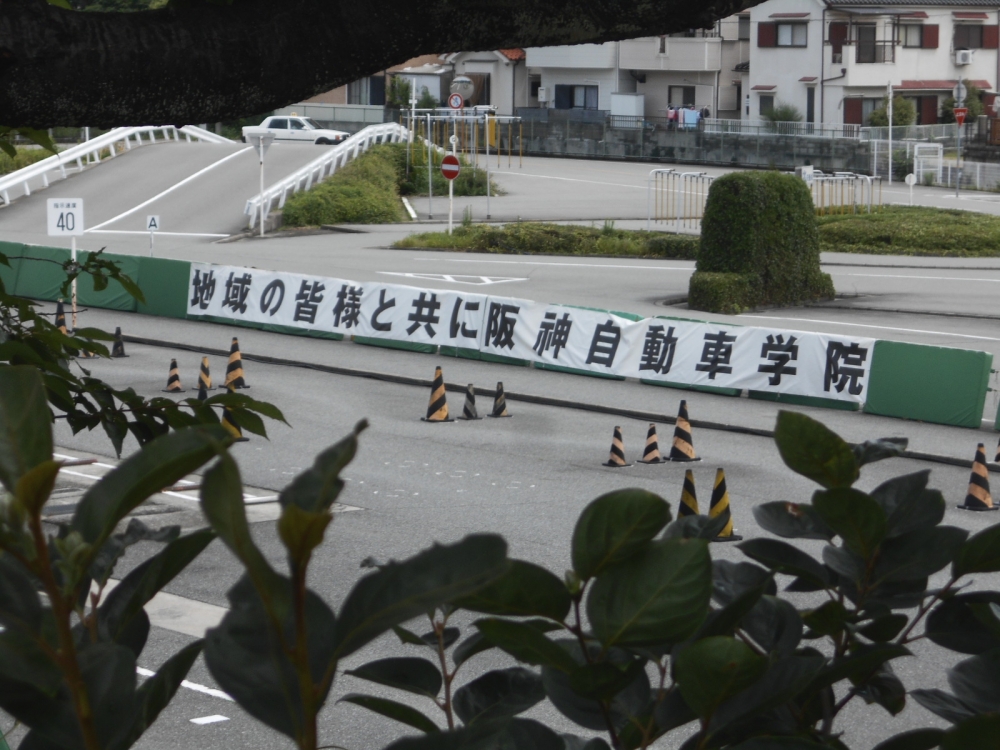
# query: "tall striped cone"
[173,379]
[205,375]
[118,347]
[202,392]
[234,370]
[651,453]
[996,458]
[232,426]
[437,407]
[500,403]
[617,458]
[978,497]
[61,318]
[720,506]
[683,447]
[689,499]
[469,410]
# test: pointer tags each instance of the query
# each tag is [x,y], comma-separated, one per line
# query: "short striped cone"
[683,447]
[437,407]
[651,453]
[500,403]
[469,410]
[118,347]
[173,379]
[205,375]
[978,497]
[61,318]
[689,499]
[720,506]
[234,370]
[617,458]
[231,425]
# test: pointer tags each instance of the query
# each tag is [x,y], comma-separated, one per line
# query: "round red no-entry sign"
[450,167]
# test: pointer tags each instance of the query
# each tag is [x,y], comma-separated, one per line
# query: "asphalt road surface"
[527,477]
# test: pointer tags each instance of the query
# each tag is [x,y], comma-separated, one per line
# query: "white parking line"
[190,686]
[572,179]
[880,328]
[166,234]
[543,263]
[905,276]
[172,188]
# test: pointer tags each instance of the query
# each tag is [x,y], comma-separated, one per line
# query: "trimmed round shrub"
[761,225]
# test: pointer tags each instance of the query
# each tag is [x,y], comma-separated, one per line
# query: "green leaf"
[159,464]
[731,580]
[775,625]
[409,673]
[476,643]
[976,682]
[956,625]
[604,680]
[525,643]
[782,557]
[885,628]
[523,734]
[499,694]
[35,486]
[908,504]
[109,674]
[977,733]
[724,621]
[809,448]
[659,596]
[302,531]
[672,711]
[696,527]
[858,519]
[714,669]
[828,619]
[25,424]
[915,739]
[979,554]
[157,691]
[792,521]
[108,555]
[400,591]
[615,527]
[859,664]
[779,743]
[885,689]
[23,660]
[879,450]
[918,554]
[525,590]
[19,602]
[408,636]
[945,705]
[317,487]
[392,710]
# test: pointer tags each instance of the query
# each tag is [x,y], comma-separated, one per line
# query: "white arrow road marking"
[454,279]
[193,686]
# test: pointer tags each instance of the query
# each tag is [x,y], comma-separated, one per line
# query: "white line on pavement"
[190,685]
[863,325]
[571,179]
[170,189]
[541,263]
[905,276]
[210,719]
[166,234]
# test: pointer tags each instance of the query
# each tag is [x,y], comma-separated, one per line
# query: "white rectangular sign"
[153,223]
[64,217]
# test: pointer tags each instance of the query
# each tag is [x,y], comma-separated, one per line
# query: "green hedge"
[728,293]
[761,224]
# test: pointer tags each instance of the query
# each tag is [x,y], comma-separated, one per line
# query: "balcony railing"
[876,52]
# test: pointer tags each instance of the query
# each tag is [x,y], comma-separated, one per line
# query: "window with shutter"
[991,37]
[931,33]
[767,35]
[853,111]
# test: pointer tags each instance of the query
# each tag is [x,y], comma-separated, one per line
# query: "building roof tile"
[513,54]
[939,84]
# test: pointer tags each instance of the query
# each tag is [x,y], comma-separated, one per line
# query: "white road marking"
[172,188]
[863,325]
[210,719]
[572,179]
[547,263]
[190,686]
[457,279]
[929,278]
[166,234]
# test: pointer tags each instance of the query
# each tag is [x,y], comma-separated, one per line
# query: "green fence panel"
[41,274]
[928,383]
[113,296]
[8,274]
[164,284]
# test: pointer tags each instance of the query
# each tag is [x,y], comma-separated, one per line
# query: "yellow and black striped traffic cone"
[118,347]
[617,458]
[61,318]
[500,403]
[230,423]
[437,407]
[720,506]
[234,370]
[173,379]
[978,497]
[204,375]
[469,410]
[202,392]
[689,498]
[683,447]
[996,459]
[651,453]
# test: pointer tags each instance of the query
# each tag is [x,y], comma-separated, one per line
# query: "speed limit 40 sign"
[65,216]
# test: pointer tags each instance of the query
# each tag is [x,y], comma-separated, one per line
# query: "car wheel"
[322,142]
[243,138]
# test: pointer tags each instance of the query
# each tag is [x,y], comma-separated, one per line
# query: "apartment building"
[833,61]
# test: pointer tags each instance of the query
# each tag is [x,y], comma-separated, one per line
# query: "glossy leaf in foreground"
[524,590]
[714,669]
[25,427]
[615,527]
[813,450]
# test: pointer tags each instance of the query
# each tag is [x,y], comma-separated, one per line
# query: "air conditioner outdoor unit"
[963,56]
[543,94]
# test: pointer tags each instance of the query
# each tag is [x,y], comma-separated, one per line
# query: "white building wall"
[587,56]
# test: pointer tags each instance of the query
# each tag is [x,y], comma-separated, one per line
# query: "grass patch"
[368,190]
[912,230]
[25,157]
[536,238]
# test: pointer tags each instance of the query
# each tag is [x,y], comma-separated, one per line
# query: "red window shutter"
[931,33]
[991,37]
[838,33]
[853,111]
[767,35]
[928,110]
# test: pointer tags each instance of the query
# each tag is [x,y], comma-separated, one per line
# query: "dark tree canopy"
[199,62]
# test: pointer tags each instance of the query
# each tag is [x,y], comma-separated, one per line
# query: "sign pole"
[889,109]
[430,170]
[451,183]
[73,257]
[487,165]
[150,243]
[261,151]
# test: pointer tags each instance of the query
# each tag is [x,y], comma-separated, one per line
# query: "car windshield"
[311,123]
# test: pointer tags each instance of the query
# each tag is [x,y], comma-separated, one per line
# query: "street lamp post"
[261,142]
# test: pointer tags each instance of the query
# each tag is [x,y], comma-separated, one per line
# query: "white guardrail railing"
[76,157]
[322,167]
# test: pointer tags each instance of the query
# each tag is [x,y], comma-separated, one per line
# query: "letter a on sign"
[152,223]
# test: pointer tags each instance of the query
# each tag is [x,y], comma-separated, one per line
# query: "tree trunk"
[205,62]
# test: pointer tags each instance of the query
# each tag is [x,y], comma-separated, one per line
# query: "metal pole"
[487,136]
[150,243]
[889,110]
[451,183]
[73,256]
[430,168]
[958,180]
[260,147]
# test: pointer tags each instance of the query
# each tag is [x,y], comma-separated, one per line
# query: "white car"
[293,128]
